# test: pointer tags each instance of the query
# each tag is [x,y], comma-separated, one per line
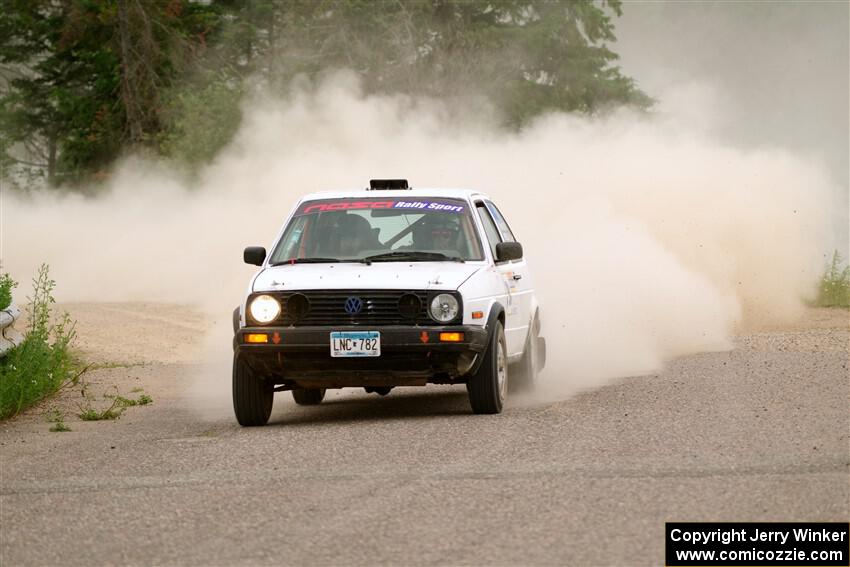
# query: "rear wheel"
[488,387]
[252,396]
[308,396]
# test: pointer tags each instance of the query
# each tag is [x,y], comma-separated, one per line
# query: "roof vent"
[387,184]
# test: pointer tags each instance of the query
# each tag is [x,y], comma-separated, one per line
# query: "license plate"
[355,343]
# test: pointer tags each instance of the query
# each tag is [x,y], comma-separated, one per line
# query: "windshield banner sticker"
[351,204]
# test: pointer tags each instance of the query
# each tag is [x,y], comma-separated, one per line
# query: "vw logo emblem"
[353,305]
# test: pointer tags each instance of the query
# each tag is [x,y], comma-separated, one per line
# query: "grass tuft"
[834,287]
[119,404]
[123,402]
[59,427]
[57,418]
[92,414]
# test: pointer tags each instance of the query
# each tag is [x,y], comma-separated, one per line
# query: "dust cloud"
[648,238]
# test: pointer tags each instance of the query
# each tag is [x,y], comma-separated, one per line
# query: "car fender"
[496,309]
[239,316]
[480,292]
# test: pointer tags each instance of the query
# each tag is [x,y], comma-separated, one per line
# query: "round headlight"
[444,308]
[264,308]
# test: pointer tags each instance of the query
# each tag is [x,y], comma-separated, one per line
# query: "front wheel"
[488,387]
[252,396]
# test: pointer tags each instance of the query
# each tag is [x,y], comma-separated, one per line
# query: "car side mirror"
[254,255]
[508,251]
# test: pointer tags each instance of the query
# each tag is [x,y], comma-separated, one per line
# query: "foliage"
[529,56]
[200,120]
[84,78]
[59,427]
[834,288]
[119,403]
[123,402]
[88,411]
[41,364]
[7,284]
[92,414]
[89,79]
[57,418]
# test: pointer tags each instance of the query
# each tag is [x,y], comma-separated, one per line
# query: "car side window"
[504,229]
[490,229]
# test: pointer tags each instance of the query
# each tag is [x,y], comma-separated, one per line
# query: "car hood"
[378,275]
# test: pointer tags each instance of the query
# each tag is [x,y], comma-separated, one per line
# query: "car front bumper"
[410,355]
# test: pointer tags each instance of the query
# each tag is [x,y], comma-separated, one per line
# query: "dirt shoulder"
[124,347]
[137,333]
[819,330]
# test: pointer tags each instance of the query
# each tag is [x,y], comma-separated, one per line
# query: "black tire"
[485,394]
[235,320]
[525,375]
[380,390]
[252,396]
[308,396]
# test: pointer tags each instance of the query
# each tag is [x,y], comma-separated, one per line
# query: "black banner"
[743,544]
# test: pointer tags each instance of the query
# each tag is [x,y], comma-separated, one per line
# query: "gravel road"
[758,433]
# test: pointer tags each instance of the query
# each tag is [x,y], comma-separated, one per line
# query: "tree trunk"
[129,97]
[51,160]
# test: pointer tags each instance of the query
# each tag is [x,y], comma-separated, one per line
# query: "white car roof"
[465,194]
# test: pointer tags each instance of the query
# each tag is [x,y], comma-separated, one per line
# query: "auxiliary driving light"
[451,337]
[265,308]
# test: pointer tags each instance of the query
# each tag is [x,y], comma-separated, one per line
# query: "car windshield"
[379,230]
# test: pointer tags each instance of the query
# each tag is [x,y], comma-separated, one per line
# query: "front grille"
[328,307]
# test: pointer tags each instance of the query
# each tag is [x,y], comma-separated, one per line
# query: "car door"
[522,288]
[514,326]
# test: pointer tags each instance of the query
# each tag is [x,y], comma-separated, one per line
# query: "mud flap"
[541,353]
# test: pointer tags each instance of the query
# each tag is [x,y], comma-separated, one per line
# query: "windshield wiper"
[411,255]
[309,261]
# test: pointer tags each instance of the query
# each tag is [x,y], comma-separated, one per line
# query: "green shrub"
[42,363]
[6,286]
[834,288]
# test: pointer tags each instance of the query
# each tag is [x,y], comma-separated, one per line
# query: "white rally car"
[385,287]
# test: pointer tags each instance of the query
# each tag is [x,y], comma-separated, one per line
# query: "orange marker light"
[477,314]
[256,338]
[451,337]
